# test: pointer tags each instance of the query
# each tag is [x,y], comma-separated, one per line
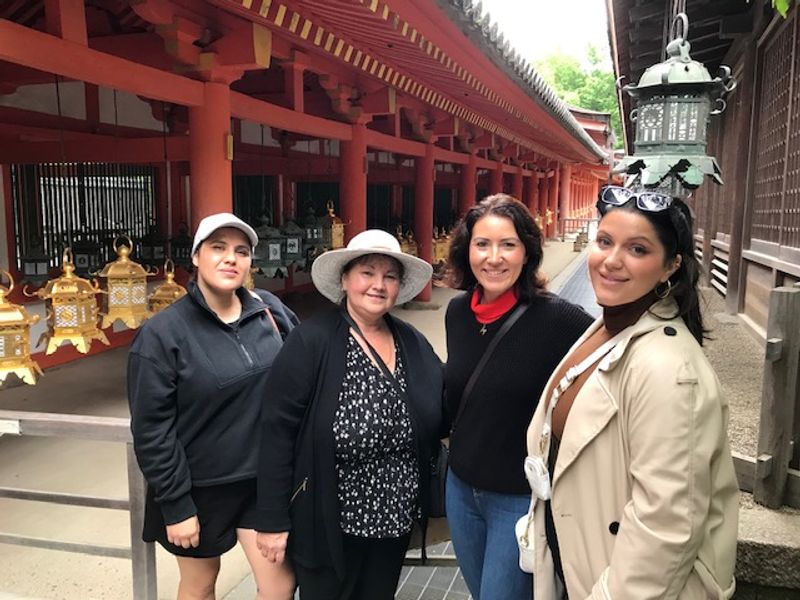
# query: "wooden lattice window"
[790,234]
[774,113]
[59,204]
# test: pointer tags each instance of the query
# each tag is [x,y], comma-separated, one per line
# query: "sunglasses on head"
[614,195]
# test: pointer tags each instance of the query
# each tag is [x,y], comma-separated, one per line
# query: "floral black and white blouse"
[374,444]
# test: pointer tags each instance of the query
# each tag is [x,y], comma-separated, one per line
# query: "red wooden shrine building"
[143,116]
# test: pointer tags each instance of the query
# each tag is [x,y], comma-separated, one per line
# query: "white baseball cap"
[217,221]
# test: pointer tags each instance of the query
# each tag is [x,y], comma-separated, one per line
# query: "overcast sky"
[538,27]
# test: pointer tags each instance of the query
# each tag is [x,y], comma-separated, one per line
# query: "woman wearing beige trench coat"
[644,494]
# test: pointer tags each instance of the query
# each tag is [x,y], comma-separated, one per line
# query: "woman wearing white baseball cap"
[352,420]
[197,376]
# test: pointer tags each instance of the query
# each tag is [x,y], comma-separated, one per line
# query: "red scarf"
[491,311]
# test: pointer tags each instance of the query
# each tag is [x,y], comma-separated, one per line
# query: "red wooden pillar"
[552,201]
[593,199]
[565,193]
[467,189]
[423,211]
[516,188]
[209,134]
[496,179]
[544,194]
[353,183]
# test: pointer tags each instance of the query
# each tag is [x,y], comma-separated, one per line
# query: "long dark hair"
[674,228]
[530,282]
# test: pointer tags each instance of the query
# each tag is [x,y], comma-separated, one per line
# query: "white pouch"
[524,533]
[538,476]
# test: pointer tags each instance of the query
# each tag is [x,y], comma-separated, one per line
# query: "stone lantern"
[72,311]
[674,102]
[15,344]
[126,288]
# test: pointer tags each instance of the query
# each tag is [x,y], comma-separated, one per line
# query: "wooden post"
[779,397]
[143,555]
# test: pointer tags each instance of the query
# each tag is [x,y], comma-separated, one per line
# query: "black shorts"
[221,509]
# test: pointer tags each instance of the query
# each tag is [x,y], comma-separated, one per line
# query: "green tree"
[590,86]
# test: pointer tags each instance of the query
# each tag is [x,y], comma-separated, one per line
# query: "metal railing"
[103,429]
[566,226]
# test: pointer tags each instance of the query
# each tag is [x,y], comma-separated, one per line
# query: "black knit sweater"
[488,445]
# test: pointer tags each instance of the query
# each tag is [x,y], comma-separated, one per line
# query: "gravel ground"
[739,362]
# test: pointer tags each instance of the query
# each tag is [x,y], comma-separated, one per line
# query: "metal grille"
[790,235]
[59,204]
[773,120]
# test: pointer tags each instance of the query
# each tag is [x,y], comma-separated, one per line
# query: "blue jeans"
[482,531]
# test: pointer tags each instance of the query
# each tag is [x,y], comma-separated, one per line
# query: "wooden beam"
[30,48]
[66,19]
[245,107]
[97,149]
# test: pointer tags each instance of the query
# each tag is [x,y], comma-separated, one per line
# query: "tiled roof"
[469,17]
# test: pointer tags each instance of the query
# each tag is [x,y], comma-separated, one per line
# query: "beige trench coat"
[645,497]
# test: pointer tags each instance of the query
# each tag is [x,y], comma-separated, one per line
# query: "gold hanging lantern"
[411,244]
[126,288]
[72,312]
[168,292]
[538,220]
[332,229]
[548,217]
[15,344]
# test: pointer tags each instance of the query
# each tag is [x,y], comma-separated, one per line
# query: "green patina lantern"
[269,257]
[675,100]
[293,244]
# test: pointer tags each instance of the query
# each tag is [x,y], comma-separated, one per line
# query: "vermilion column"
[210,167]
[593,199]
[533,193]
[544,194]
[552,201]
[565,192]
[467,189]
[353,183]
[496,179]
[423,211]
[516,189]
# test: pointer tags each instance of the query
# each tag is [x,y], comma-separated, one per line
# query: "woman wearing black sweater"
[495,257]
[350,425]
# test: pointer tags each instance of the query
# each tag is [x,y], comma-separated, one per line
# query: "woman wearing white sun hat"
[350,425]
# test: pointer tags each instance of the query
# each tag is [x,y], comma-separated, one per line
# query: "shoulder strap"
[521,308]
[376,357]
[268,312]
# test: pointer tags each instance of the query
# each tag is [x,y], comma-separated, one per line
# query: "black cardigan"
[297,481]
[488,447]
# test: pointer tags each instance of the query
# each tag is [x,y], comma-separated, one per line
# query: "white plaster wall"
[132,111]
[251,134]
[42,98]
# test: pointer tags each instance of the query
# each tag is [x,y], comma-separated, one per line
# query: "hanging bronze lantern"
[72,312]
[181,247]
[271,249]
[675,100]
[168,292]
[126,288]
[15,343]
[293,244]
[332,230]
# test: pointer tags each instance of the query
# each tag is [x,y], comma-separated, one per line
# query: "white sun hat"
[217,221]
[326,270]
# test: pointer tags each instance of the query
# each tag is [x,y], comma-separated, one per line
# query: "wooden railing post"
[143,556]
[779,397]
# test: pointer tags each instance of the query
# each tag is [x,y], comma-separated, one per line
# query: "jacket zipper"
[300,488]
[244,350]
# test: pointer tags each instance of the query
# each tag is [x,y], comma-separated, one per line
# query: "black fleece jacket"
[488,444]
[195,387]
[297,479]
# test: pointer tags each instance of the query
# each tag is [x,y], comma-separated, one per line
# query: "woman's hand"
[273,545]
[185,534]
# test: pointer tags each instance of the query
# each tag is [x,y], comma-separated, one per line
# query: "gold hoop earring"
[661,295]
